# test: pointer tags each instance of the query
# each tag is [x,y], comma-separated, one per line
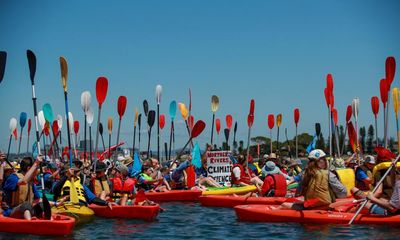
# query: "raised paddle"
[13,126]
[228,120]
[395,96]
[161,126]
[146,108]
[60,124]
[101,134]
[218,129]
[22,121]
[250,121]
[185,114]
[356,105]
[101,94]
[64,78]
[375,111]
[29,133]
[48,115]
[172,114]
[352,137]
[3,60]
[109,127]
[89,119]
[72,127]
[234,136]
[150,122]
[134,130]
[32,70]
[54,128]
[158,100]
[226,132]
[296,116]
[336,130]
[390,69]
[76,131]
[375,188]
[349,113]
[140,124]
[271,124]
[42,123]
[86,99]
[166,150]
[383,87]
[278,124]
[214,108]
[121,111]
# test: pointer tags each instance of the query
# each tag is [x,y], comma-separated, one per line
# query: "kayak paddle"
[3,60]
[101,94]
[349,113]
[89,119]
[134,130]
[121,111]
[146,108]
[13,126]
[101,134]
[250,121]
[29,133]
[271,124]
[234,137]
[375,111]
[22,121]
[278,124]
[395,96]
[384,98]
[158,100]
[172,114]
[60,124]
[214,108]
[86,99]
[109,127]
[150,122]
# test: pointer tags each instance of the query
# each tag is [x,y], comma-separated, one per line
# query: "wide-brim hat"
[128,160]
[270,168]
[272,156]
[296,162]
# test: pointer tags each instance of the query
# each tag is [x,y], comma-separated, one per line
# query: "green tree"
[362,137]
[370,139]
[321,143]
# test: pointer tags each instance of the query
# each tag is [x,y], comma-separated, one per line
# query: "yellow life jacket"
[348,178]
[319,188]
[79,189]
[101,185]
[23,193]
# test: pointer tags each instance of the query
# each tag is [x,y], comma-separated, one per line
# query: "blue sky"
[277,52]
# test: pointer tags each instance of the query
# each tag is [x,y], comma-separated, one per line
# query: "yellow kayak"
[383,166]
[232,190]
[80,213]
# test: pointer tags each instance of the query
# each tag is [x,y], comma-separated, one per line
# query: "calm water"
[191,221]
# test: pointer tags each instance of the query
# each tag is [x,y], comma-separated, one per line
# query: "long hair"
[309,173]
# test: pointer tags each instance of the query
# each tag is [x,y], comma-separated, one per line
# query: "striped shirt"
[395,199]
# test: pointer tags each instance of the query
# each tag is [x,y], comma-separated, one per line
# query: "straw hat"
[127,161]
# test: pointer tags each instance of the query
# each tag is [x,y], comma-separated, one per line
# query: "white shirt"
[236,172]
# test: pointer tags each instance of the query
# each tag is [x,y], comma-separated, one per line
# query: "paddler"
[241,175]
[275,182]
[85,196]
[99,183]
[147,183]
[21,195]
[123,186]
[364,174]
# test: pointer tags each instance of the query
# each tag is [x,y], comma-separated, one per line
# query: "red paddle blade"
[15,133]
[352,137]
[191,122]
[46,129]
[390,66]
[327,97]
[55,127]
[76,127]
[229,121]
[121,106]
[250,120]
[349,113]
[197,129]
[296,116]
[384,91]
[332,100]
[101,90]
[271,121]
[252,103]
[29,125]
[335,116]
[329,83]
[162,121]
[375,105]
[218,125]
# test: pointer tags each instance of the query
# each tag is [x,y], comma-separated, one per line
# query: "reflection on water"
[188,220]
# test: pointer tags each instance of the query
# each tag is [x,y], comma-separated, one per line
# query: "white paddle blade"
[355,105]
[71,121]
[89,116]
[42,120]
[59,121]
[158,93]
[13,124]
[86,99]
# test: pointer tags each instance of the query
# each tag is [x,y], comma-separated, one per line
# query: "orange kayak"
[174,195]
[265,213]
[60,225]
[130,211]
[232,201]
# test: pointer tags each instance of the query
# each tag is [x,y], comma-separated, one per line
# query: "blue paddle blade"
[312,144]
[35,152]
[233,159]
[48,113]
[22,119]
[196,156]
[172,110]
[137,165]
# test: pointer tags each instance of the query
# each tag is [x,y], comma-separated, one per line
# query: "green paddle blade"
[48,113]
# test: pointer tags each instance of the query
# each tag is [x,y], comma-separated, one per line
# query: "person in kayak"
[147,183]
[21,195]
[364,174]
[123,186]
[319,185]
[241,175]
[275,182]
[85,196]
[202,178]
[99,183]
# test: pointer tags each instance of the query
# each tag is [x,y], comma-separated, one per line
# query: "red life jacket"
[126,186]
[280,185]
[244,177]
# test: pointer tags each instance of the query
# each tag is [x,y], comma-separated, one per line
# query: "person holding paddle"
[241,175]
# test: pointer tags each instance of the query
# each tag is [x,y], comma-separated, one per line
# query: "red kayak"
[129,211]
[265,213]
[174,195]
[60,225]
[232,201]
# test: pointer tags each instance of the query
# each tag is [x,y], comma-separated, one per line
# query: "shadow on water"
[191,221]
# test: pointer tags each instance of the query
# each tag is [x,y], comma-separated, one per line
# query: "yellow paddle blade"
[279,120]
[395,93]
[109,125]
[73,195]
[64,72]
[214,103]
[136,116]
[184,111]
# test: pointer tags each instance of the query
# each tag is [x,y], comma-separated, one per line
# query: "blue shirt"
[361,175]
[11,185]
[89,195]
[201,172]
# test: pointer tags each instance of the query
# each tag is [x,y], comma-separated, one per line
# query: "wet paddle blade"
[13,124]
[64,73]
[86,99]
[71,120]
[172,110]
[197,129]
[395,96]
[384,92]
[335,116]
[279,120]
[89,116]
[229,121]
[327,97]
[162,121]
[32,65]
[22,119]
[218,125]
[55,128]
[76,127]
[390,66]
[355,105]
[48,113]
[271,121]
[352,137]
[121,105]
[349,113]
[158,93]
[184,111]
[29,125]
[214,103]
[146,107]
[375,105]
[151,118]
[252,105]
[110,125]
[42,120]
[101,128]
[296,116]
[329,83]
[101,90]
[140,121]
[3,60]
[250,120]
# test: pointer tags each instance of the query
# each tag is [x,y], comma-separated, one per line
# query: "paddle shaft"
[270,139]
[212,128]
[376,131]
[97,138]
[9,146]
[84,144]
[158,132]
[134,140]
[148,144]
[139,140]
[374,190]
[20,140]
[90,142]
[188,130]
[119,128]
[297,146]
[109,146]
[248,147]
[330,126]
[277,140]
[384,126]
[68,130]
[344,139]
[102,140]
[170,139]
[27,143]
